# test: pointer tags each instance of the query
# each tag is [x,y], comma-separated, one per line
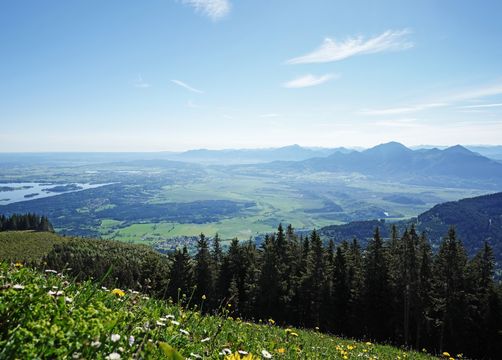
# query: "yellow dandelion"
[271,321]
[446,354]
[18,264]
[118,292]
[281,350]
[237,356]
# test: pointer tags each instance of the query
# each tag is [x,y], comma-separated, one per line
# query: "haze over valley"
[155,197]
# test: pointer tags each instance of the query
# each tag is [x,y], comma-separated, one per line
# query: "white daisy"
[266,354]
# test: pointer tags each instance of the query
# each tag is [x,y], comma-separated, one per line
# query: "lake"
[23,191]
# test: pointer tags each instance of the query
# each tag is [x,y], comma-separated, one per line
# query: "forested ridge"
[476,220]
[395,291]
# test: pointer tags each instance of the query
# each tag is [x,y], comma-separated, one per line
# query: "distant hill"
[475,219]
[203,156]
[455,166]
[253,156]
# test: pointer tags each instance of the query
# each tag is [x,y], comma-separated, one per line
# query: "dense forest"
[28,221]
[395,291]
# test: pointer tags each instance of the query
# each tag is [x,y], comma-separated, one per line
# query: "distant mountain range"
[253,156]
[202,156]
[454,166]
[475,219]
[228,156]
[490,151]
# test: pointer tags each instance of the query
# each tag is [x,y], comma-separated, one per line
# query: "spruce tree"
[268,298]
[450,293]
[377,296]
[341,293]
[180,275]
[203,272]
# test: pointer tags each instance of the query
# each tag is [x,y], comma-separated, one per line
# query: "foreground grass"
[46,315]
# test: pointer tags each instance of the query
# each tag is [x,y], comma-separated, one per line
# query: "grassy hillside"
[27,246]
[84,321]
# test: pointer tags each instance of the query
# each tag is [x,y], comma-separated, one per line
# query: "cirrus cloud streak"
[309,80]
[186,86]
[214,9]
[333,50]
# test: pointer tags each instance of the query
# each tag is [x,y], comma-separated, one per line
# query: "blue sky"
[155,75]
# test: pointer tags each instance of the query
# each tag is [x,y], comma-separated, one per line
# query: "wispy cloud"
[214,9]
[481,106]
[270,115]
[186,86]
[478,92]
[332,50]
[140,83]
[309,80]
[403,109]
[452,99]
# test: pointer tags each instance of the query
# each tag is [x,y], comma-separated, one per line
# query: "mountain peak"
[389,147]
[458,149]
[293,146]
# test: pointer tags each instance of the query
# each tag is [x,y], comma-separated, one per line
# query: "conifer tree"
[450,293]
[356,285]
[180,275]
[268,298]
[203,272]
[314,281]
[376,289]
[341,293]
[424,295]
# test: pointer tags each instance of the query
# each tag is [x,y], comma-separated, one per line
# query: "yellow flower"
[446,354]
[237,356]
[118,292]
[281,350]
[368,343]
[271,321]
[18,264]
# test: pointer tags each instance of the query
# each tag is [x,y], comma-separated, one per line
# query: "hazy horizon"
[93,76]
[354,147]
